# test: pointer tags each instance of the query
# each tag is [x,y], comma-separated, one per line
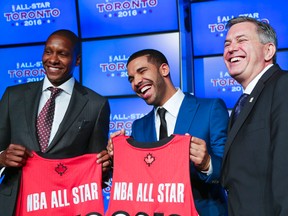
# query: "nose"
[233,46]
[53,59]
[137,79]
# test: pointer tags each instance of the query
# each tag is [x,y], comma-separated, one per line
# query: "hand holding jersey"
[15,156]
[199,154]
[198,151]
[156,182]
[110,143]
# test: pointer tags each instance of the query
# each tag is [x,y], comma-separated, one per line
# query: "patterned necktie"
[163,125]
[45,119]
[240,104]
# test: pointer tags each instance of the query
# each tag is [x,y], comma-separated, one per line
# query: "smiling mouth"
[54,69]
[235,59]
[144,89]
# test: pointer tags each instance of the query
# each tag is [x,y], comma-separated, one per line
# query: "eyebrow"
[138,70]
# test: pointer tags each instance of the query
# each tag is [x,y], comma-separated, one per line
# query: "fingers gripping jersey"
[151,181]
[61,187]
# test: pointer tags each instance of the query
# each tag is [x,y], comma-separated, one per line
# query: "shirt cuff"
[2,177]
[1,171]
[210,170]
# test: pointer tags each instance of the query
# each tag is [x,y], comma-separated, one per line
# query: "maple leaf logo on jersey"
[60,169]
[149,159]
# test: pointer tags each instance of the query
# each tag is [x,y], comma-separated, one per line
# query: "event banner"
[209,21]
[102,18]
[27,21]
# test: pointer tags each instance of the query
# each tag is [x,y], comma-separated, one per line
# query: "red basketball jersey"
[59,187]
[151,181]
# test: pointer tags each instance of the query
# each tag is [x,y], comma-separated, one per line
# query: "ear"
[78,60]
[164,69]
[270,51]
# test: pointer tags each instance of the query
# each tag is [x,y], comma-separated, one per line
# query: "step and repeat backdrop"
[208,21]
[111,30]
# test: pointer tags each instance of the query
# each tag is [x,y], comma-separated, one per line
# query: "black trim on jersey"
[144,145]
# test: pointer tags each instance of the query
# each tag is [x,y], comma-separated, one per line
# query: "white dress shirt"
[172,106]
[253,83]
[61,102]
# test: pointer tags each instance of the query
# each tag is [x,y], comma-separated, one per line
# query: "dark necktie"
[45,119]
[239,106]
[163,125]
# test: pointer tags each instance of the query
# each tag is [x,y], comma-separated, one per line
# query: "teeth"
[235,59]
[54,69]
[145,88]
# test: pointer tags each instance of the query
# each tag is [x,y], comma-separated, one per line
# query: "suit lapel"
[233,130]
[149,126]
[76,105]
[186,114]
[32,97]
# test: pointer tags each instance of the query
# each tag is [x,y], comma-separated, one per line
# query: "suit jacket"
[255,159]
[206,119]
[84,129]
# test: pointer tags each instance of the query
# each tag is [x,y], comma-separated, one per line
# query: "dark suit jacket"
[208,120]
[84,129]
[255,159]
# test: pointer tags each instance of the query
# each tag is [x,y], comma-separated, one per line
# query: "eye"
[241,39]
[65,54]
[47,52]
[142,70]
[130,79]
[226,44]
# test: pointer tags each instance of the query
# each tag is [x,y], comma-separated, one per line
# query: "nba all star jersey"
[61,187]
[152,178]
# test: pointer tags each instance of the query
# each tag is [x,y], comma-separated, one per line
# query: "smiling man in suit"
[80,123]
[255,159]
[205,119]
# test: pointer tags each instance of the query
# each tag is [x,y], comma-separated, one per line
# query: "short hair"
[154,56]
[265,31]
[71,36]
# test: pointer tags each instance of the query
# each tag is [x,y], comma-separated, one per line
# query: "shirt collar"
[253,83]
[173,104]
[66,86]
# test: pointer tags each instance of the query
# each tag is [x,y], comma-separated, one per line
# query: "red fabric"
[151,180]
[61,187]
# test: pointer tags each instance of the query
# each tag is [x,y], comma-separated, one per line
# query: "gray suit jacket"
[84,129]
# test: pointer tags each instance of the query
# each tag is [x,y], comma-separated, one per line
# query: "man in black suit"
[80,125]
[254,169]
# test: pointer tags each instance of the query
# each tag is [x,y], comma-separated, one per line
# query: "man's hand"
[110,143]
[15,156]
[199,154]
[104,158]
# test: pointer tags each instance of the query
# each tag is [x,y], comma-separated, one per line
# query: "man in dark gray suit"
[80,125]
[255,158]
